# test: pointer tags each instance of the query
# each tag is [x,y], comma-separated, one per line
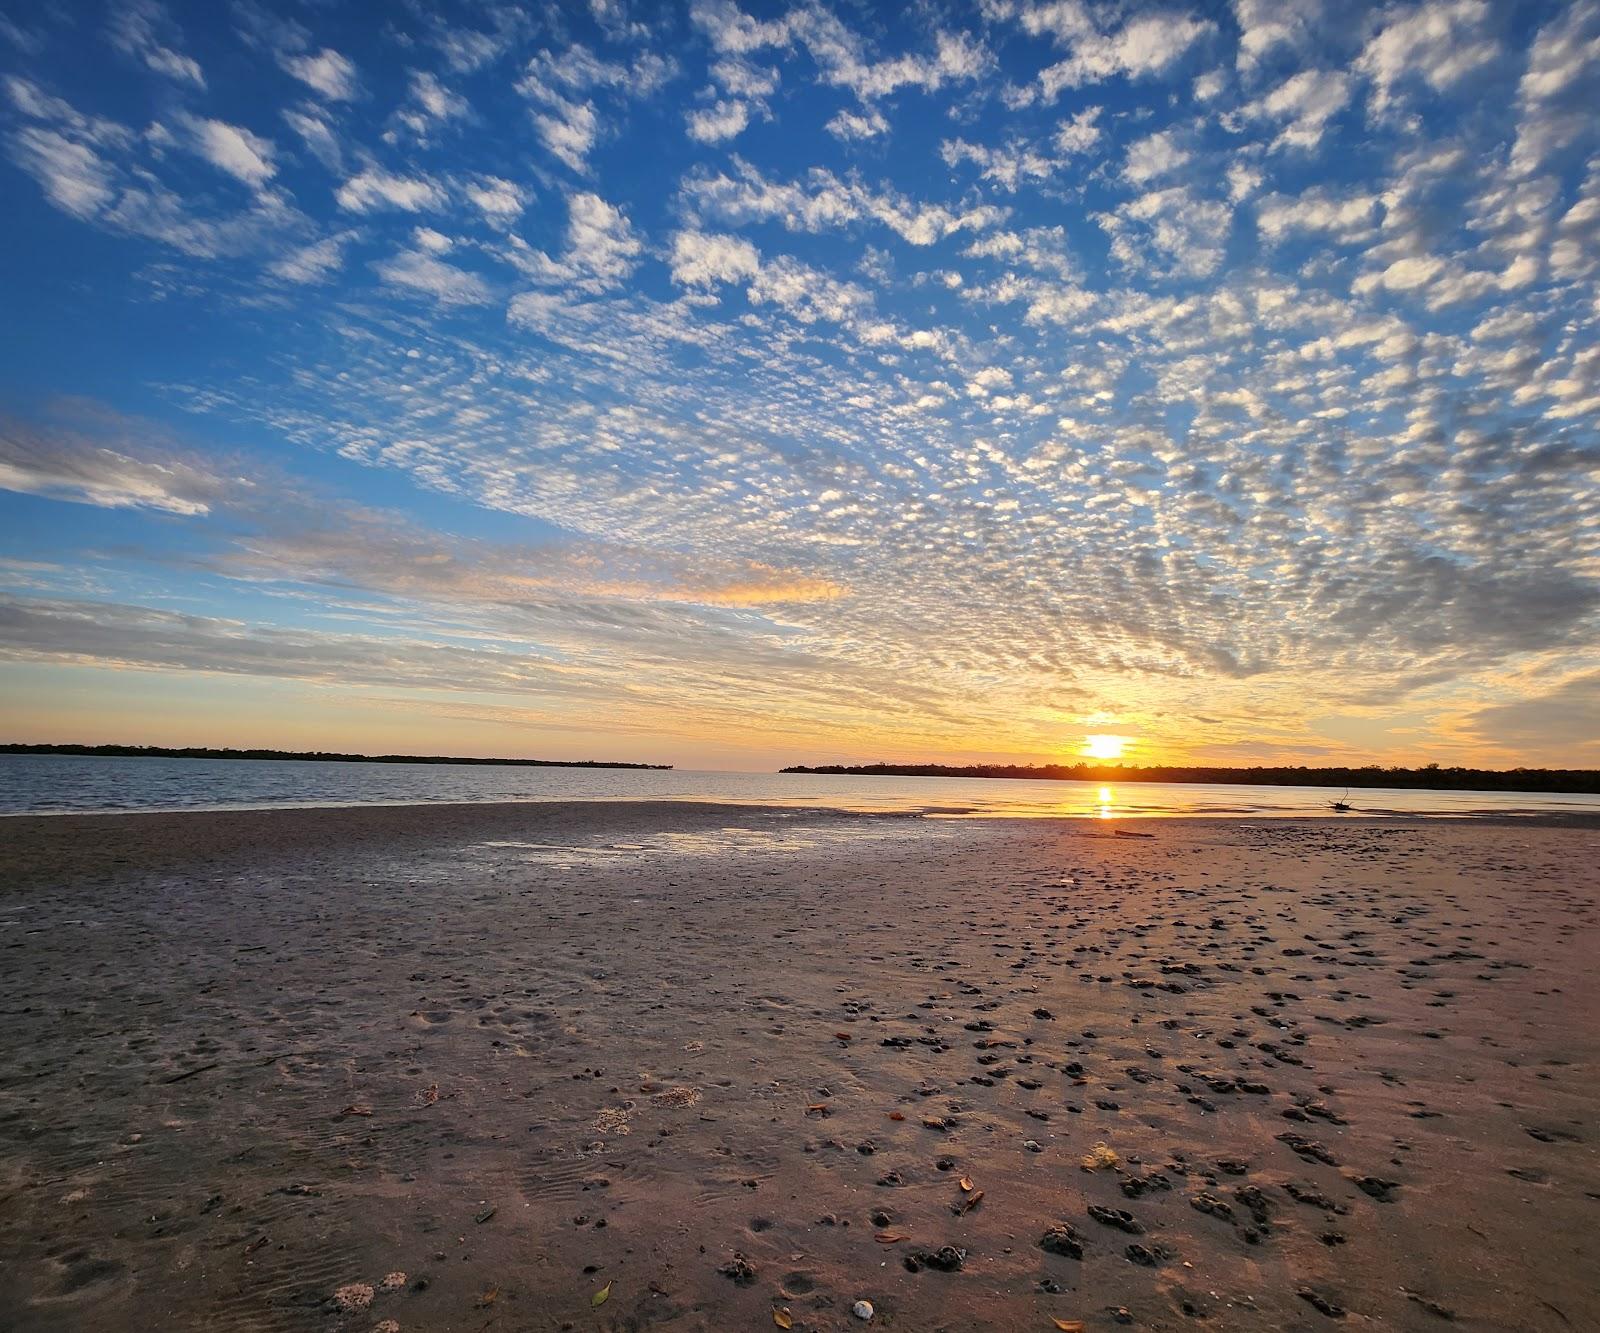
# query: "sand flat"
[465,1067]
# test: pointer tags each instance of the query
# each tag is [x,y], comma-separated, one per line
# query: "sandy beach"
[677,1066]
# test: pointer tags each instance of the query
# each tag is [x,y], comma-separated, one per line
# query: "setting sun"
[1104,747]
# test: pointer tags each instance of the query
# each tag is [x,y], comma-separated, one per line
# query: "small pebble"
[862,1309]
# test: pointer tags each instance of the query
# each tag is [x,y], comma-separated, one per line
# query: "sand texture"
[479,1067]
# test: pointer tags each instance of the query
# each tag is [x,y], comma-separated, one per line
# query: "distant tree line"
[328,756]
[1432,777]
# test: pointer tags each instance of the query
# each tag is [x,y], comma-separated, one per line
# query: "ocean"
[58,784]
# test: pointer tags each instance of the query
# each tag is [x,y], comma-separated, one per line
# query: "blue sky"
[730,385]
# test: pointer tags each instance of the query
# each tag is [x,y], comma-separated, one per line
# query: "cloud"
[856,125]
[467,50]
[701,260]
[429,104]
[1080,134]
[317,133]
[1265,25]
[935,413]
[327,72]
[71,466]
[421,270]
[313,263]
[739,78]
[232,148]
[601,248]
[569,132]
[1144,46]
[1556,88]
[1153,156]
[137,29]
[381,556]
[86,167]
[807,293]
[1346,217]
[825,201]
[1169,230]
[1562,723]
[498,199]
[44,630]
[738,90]
[720,121]
[1307,101]
[840,55]
[1438,42]
[1008,166]
[374,189]
[731,30]
[563,86]
[72,174]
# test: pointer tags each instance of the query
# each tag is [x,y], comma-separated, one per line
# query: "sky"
[732,385]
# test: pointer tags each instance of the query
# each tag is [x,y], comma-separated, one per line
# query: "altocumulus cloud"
[1177,363]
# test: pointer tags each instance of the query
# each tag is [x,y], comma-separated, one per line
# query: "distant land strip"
[1431,777]
[205,752]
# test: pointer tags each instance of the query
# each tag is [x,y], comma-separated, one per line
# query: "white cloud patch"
[842,57]
[327,72]
[1437,43]
[1172,231]
[317,133]
[421,270]
[700,259]
[243,155]
[1266,25]
[563,87]
[313,263]
[1556,91]
[73,176]
[429,104]
[375,189]
[825,202]
[1346,218]
[1007,165]
[1080,134]
[143,30]
[807,293]
[851,126]
[1152,157]
[1145,46]
[569,131]
[499,200]
[1303,104]
[718,122]
[601,248]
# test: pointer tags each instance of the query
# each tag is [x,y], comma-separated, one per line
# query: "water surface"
[65,783]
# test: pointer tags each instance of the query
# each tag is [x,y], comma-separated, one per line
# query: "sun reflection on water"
[1105,802]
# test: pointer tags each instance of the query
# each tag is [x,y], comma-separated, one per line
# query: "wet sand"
[475,1067]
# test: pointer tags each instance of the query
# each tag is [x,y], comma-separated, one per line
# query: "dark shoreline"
[1535,781]
[305,756]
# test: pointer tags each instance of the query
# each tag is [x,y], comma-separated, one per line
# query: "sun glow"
[1104,747]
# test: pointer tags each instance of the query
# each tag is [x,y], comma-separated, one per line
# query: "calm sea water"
[64,783]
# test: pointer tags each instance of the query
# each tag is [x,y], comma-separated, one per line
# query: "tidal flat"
[628,1065]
